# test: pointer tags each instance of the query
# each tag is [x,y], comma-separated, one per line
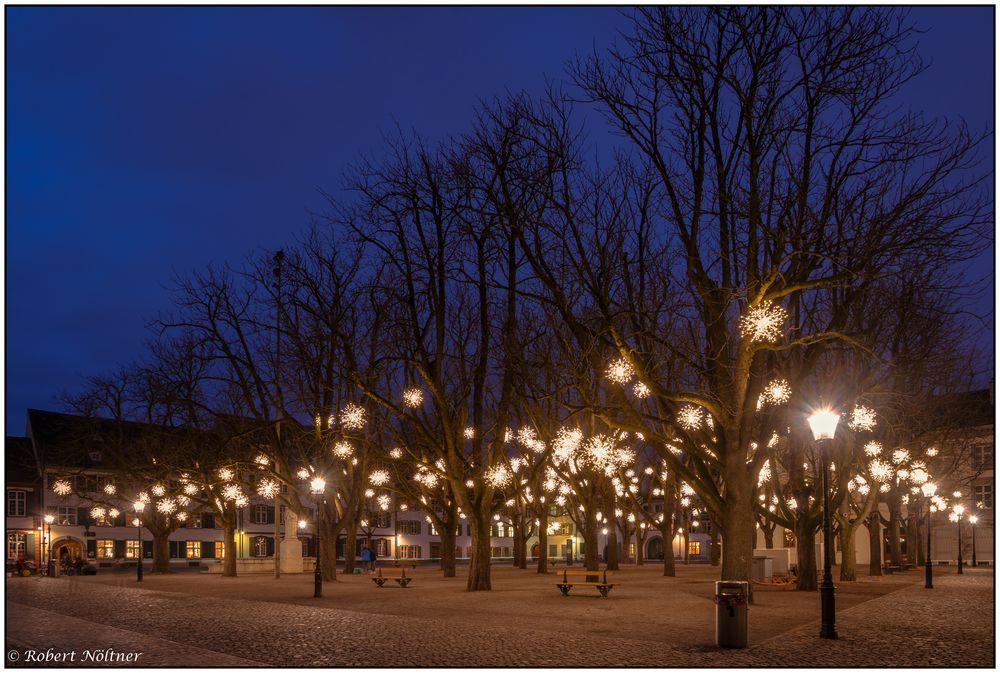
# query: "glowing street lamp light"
[317,487]
[139,506]
[824,426]
[928,489]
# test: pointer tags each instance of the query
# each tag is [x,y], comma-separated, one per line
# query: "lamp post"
[928,489]
[317,487]
[958,511]
[974,520]
[824,426]
[139,506]
[48,544]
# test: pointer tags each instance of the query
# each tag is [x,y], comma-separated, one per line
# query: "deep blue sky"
[143,141]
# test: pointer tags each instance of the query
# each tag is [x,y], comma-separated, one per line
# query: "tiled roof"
[19,461]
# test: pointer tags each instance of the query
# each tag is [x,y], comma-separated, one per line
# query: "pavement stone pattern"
[951,625]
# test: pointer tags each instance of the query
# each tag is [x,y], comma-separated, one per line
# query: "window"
[66,516]
[382,547]
[259,546]
[193,521]
[193,549]
[631,549]
[408,527]
[789,538]
[694,548]
[983,494]
[131,549]
[105,549]
[383,520]
[553,550]
[409,550]
[220,550]
[260,513]
[15,545]
[502,530]
[982,456]
[657,506]
[16,503]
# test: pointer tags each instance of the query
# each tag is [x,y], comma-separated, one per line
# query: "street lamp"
[139,506]
[824,426]
[974,520]
[317,486]
[48,545]
[928,489]
[958,511]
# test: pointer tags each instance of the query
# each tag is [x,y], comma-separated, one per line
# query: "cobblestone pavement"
[951,625]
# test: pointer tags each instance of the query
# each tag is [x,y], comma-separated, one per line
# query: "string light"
[396,453]
[413,397]
[689,417]
[640,390]
[110,489]
[352,416]
[470,432]
[862,418]
[62,487]
[379,477]
[873,448]
[343,450]
[159,490]
[225,474]
[900,456]
[268,488]
[763,322]
[620,371]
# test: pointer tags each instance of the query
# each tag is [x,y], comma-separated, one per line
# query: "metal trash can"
[761,568]
[731,606]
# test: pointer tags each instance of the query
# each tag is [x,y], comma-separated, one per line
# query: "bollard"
[731,608]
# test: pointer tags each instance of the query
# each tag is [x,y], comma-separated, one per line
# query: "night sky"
[147,141]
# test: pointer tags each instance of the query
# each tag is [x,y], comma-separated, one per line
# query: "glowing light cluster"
[690,417]
[470,432]
[413,397]
[143,496]
[383,502]
[641,390]
[776,392]
[498,476]
[62,487]
[765,474]
[166,506]
[113,513]
[268,488]
[763,322]
[567,443]
[191,489]
[862,418]
[302,473]
[900,456]
[159,490]
[352,416]
[98,513]
[110,489]
[933,451]
[225,474]
[379,478]
[873,448]
[880,470]
[620,371]
[232,492]
[261,459]
[343,450]
[396,453]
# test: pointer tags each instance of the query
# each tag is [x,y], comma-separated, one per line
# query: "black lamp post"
[318,486]
[928,489]
[956,515]
[139,506]
[974,520]
[824,426]
[48,545]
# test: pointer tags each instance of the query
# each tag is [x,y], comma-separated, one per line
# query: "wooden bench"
[589,578]
[381,577]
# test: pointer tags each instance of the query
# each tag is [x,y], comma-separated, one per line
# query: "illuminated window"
[15,545]
[694,548]
[132,549]
[631,549]
[105,549]
[220,550]
[259,546]
[383,520]
[193,549]
[66,516]
[409,550]
[382,547]
[983,494]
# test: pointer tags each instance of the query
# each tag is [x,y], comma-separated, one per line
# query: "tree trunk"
[591,557]
[229,562]
[715,549]
[914,550]
[520,546]
[768,537]
[447,536]
[639,551]
[479,564]
[328,542]
[737,520]
[895,546]
[669,567]
[875,545]
[805,551]
[161,553]
[848,553]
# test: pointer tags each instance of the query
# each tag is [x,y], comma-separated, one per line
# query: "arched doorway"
[654,548]
[68,548]
[534,550]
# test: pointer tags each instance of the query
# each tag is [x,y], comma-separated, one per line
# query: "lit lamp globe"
[959,510]
[317,485]
[302,523]
[49,519]
[139,506]
[973,519]
[824,424]
[928,489]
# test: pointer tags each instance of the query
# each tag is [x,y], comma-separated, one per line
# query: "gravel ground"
[647,621]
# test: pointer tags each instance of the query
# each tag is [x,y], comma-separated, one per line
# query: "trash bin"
[761,569]
[731,604]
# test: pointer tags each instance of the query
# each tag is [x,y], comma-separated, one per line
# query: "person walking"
[366,558]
